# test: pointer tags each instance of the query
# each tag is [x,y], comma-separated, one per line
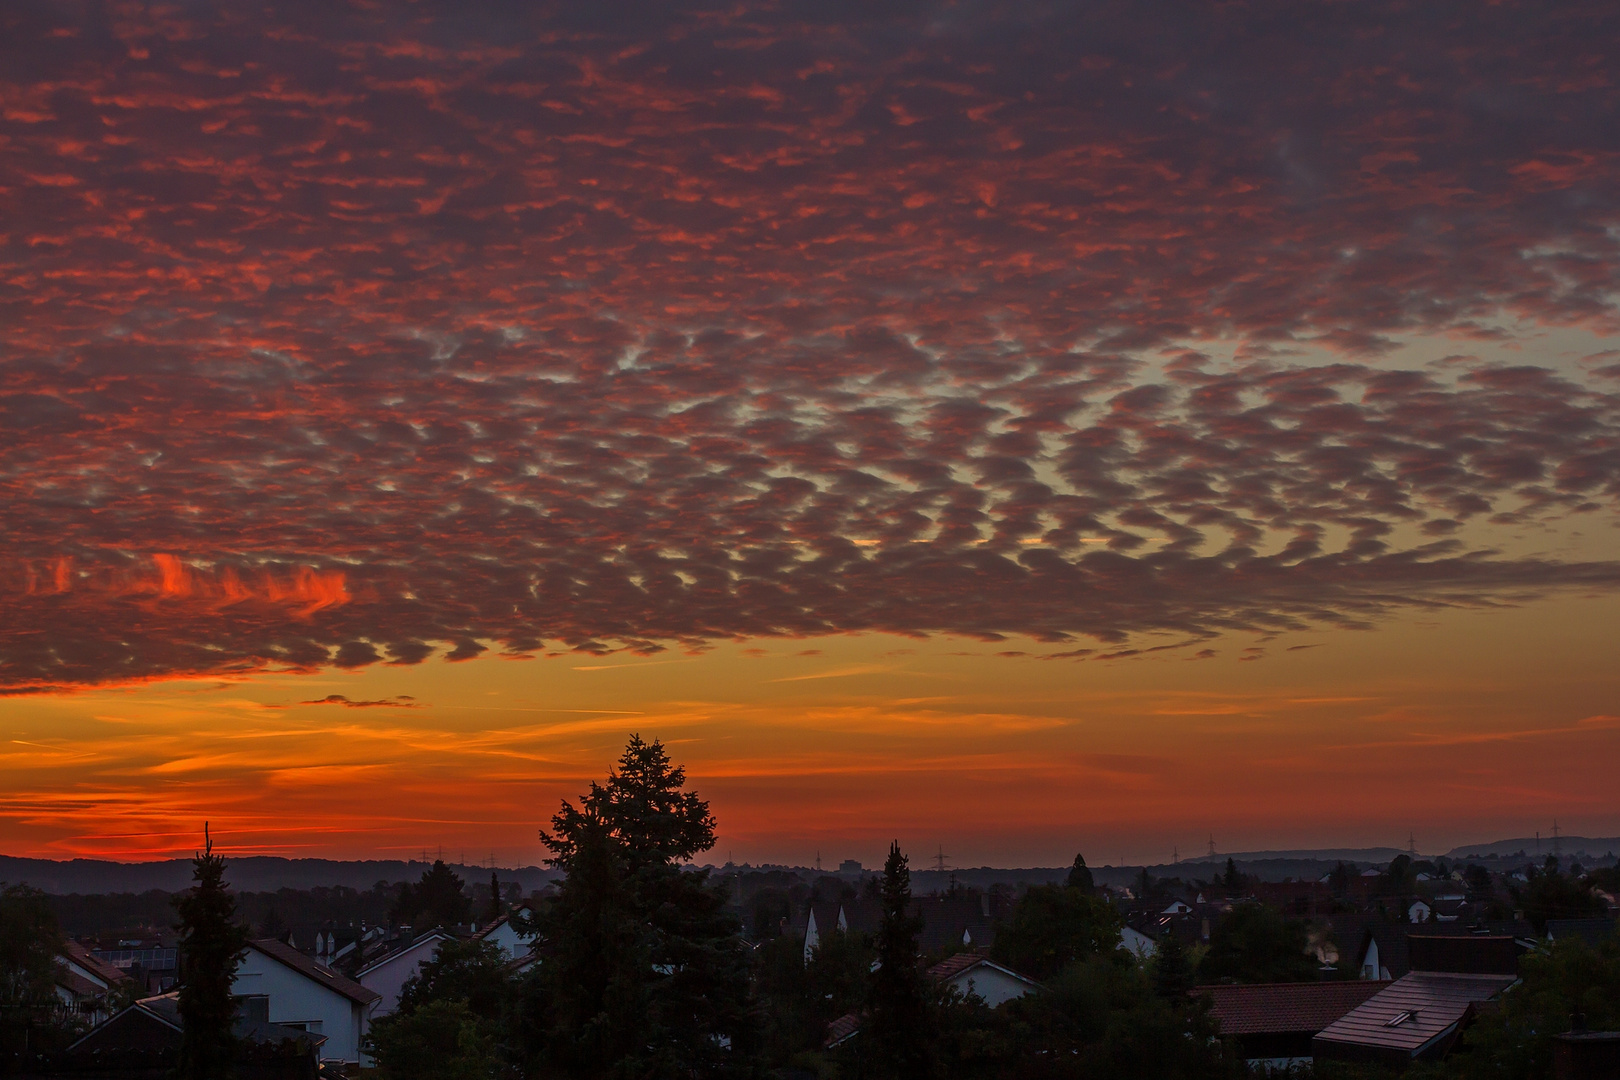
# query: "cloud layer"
[333,337]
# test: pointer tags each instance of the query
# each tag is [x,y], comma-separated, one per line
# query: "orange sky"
[1015,430]
[1456,729]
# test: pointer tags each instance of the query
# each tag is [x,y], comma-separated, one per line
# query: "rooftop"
[320,973]
[1277,1008]
[1414,1010]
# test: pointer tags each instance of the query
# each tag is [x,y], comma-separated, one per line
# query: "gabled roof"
[316,973]
[164,1010]
[77,984]
[504,920]
[953,966]
[95,965]
[1414,1010]
[1278,1008]
[427,937]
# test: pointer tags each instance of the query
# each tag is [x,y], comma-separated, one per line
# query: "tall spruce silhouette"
[495,908]
[212,943]
[643,970]
[1080,876]
[899,1037]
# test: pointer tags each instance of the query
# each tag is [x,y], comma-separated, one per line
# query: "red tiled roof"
[93,964]
[1275,1008]
[952,966]
[1414,1010]
[320,973]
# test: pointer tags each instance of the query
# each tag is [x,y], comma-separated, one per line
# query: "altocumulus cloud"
[332,335]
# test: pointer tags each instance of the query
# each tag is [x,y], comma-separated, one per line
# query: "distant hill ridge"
[1598,847]
[265,873]
[250,873]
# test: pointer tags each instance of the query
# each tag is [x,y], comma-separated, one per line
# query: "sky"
[1012,429]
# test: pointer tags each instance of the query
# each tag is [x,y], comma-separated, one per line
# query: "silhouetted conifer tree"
[212,943]
[643,971]
[898,1039]
[1080,876]
[1172,970]
[438,899]
[1232,880]
[495,909]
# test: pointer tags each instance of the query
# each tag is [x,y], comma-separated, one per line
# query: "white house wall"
[512,943]
[995,988]
[389,976]
[295,999]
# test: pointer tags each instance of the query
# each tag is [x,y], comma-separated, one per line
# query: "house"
[1467,954]
[513,942]
[1586,1055]
[976,975]
[1382,952]
[1418,1017]
[1419,911]
[1272,1024]
[143,1039]
[153,963]
[386,975]
[1134,941]
[824,918]
[968,973]
[86,985]
[1390,950]
[297,992]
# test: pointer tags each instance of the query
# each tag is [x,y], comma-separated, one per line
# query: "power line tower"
[1411,845]
[1175,856]
[1558,844]
[1212,844]
[939,860]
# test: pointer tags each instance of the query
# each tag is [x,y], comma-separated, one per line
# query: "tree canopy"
[1254,943]
[439,898]
[1052,927]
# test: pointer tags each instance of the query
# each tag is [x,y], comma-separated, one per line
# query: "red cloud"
[332,336]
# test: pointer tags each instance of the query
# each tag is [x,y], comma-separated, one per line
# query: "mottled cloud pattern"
[340,333]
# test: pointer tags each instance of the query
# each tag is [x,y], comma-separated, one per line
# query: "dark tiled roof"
[425,937]
[1431,1003]
[841,1029]
[1391,938]
[319,973]
[1278,1008]
[1472,954]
